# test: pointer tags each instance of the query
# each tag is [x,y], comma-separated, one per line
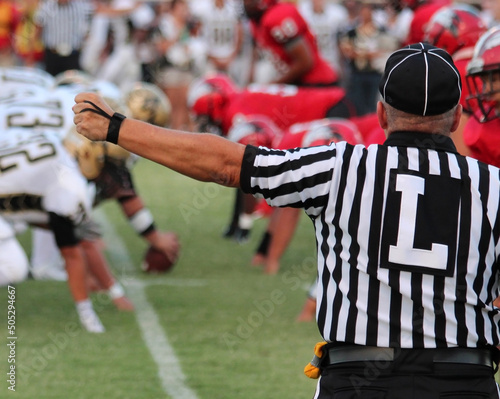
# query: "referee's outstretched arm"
[202,156]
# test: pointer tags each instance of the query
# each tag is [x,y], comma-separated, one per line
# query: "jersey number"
[48,114]
[286,31]
[29,151]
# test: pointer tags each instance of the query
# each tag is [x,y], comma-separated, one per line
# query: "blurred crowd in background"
[170,43]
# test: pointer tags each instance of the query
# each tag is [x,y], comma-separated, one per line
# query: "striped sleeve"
[299,178]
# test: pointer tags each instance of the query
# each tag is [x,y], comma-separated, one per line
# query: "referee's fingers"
[80,99]
[92,125]
[92,100]
[86,96]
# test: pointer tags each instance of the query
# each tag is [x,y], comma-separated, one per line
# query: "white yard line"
[170,373]
[174,282]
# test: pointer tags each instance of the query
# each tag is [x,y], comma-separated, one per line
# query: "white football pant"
[46,260]
[13,259]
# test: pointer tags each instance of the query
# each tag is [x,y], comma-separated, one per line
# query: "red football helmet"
[255,130]
[207,98]
[483,77]
[331,130]
[455,27]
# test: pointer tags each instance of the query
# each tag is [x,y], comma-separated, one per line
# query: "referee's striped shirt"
[407,236]
[64,24]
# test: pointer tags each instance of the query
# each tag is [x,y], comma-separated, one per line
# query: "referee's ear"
[456,117]
[382,116]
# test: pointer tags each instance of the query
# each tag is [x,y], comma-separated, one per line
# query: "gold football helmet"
[91,155]
[148,103]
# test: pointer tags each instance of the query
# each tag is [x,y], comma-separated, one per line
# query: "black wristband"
[114,127]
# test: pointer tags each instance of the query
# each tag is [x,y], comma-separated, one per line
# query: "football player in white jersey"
[37,109]
[19,82]
[326,20]
[18,77]
[222,33]
[108,170]
[41,185]
[50,107]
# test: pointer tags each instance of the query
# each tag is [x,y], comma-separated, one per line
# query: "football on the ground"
[155,261]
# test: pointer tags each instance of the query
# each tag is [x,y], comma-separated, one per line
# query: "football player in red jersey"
[483,79]
[282,31]
[456,29]
[217,105]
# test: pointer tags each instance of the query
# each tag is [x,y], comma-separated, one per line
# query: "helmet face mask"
[483,77]
[484,91]
[207,98]
[205,124]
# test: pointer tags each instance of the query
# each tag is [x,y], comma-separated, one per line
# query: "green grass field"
[214,327]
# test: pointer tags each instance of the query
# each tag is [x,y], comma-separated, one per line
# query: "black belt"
[346,354]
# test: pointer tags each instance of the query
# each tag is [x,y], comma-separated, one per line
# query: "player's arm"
[204,157]
[301,63]
[142,221]
[98,267]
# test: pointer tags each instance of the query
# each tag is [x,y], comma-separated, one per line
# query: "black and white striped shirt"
[407,236]
[64,24]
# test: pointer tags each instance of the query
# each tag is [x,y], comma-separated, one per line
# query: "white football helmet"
[73,77]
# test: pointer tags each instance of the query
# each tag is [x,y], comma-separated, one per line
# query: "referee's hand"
[92,116]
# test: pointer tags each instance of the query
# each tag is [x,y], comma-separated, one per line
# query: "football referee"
[407,232]
[63,26]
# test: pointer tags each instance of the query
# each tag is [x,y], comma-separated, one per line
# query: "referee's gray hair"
[401,120]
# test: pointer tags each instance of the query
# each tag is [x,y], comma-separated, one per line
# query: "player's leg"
[75,267]
[286,220]
[237,209]
[308,312]
[260,256]
[98,268]
[246,217]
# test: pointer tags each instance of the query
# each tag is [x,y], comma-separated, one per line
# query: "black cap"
[421,79]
